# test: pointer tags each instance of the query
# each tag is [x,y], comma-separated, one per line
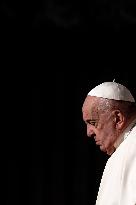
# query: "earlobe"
[119,119]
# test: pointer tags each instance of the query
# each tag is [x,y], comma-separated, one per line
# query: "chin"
[110,151]
[103,149]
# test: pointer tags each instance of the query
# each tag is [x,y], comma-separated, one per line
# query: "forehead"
[88,105]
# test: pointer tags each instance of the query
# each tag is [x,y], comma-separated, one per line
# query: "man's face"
[99,126]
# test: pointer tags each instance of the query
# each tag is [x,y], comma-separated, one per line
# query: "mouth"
[97,142]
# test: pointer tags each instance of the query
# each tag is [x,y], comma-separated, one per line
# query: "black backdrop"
[58,164]
[66,165]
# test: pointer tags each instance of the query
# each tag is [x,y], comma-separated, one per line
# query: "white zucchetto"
[112,90]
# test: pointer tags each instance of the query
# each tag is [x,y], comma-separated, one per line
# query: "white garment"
[118,183]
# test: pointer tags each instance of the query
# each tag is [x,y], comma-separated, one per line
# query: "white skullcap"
[112,90]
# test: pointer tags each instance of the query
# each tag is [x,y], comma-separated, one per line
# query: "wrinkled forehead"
[88,106]
[88,102]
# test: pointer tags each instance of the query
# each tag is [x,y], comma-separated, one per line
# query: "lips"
[97,142]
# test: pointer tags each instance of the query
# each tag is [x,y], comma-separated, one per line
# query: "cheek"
[107,135]
[106,132]
[109,138]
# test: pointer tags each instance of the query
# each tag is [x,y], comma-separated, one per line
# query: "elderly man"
[109,112]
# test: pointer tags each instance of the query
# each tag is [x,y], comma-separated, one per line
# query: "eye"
[91,122]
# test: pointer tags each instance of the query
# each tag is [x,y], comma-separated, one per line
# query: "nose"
[90,131]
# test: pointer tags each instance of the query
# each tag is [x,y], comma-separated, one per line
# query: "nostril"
[93,135]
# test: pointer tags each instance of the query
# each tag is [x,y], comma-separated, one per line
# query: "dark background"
[80,16]
[72,162]
[58,164]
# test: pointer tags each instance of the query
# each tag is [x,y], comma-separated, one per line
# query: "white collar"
[125,133]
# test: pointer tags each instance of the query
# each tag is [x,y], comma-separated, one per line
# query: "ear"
[119,119]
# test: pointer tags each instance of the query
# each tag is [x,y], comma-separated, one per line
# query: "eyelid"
[91,121]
